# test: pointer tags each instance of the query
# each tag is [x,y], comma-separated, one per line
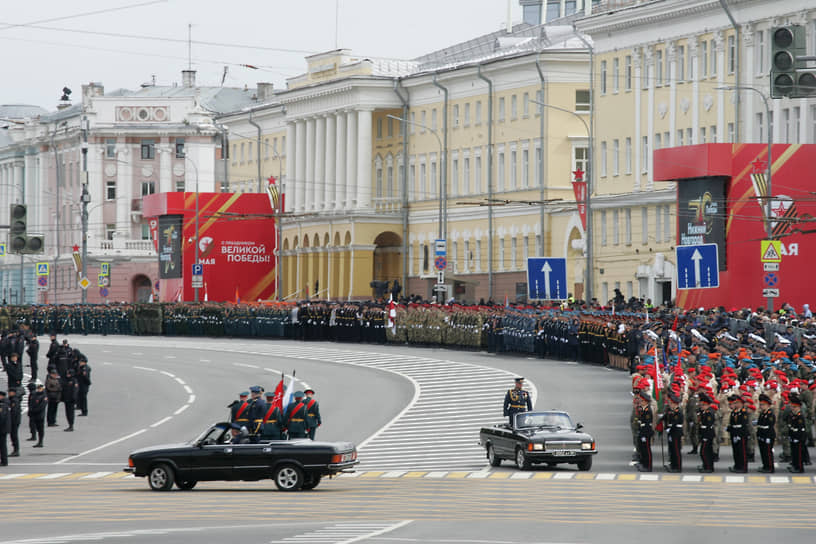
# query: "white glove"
[643,439]
[736,439]
[768,440]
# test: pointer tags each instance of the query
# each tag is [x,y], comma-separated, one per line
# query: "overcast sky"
[48,44]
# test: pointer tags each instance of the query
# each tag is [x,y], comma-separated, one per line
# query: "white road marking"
[180,410]
[10,476]
[169,356]
[179,380]
[107,363]
[187,388]
[95,475]
[191,399]
[53,476]
[245,365]
[205,360]
[145,368]
[168,374]
[345,532]
[605,476]
[159,422]
[105,445]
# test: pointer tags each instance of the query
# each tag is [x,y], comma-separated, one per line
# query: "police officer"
[673,420]
[296,424]
[256,410]
[738,430]
[238,408]
[70,391]
[15,411]
[53,389]
[766,433]
[5,427]
[645,432]
[517,400]
[33,352]
[37,402]
[84,379]
[707,434]
[313,418]
[797,435]
[14,370]
[272,426]
[53,351]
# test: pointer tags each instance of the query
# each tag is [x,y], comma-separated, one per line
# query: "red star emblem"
[579,174]
[75,248]
[759,166]
[780,211]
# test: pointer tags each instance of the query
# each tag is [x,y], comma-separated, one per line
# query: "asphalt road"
[415,414]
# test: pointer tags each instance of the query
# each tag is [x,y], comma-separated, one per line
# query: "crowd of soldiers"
[254,419]
[67,382]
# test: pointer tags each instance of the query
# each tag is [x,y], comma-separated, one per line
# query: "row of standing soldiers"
[264,420]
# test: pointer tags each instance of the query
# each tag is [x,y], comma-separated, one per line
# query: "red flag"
[674,325]
[237,296]
[392,315]
[580,189]
[277,400]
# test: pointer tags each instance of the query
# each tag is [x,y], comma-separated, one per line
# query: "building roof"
[20,111]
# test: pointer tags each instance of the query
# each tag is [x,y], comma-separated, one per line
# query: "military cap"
[298,394]
[794,399]
[307,391]
[235,426]
[255,389]
[519,379]
[270,394]
[764,398]
[705,398]
[243,394]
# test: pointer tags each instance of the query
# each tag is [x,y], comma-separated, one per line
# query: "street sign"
[197,282]
[440,263]
[697,267]
[770,267]
[547,278]
[104,269]
[440,248]
[42,269]
[771,279]
[771,251]
[104,281]
[2,249]
[42,283]
[84,283]
[440,276]
[770,293]
[198,269]
[103,292]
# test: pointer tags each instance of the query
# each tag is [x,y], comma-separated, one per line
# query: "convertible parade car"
[292,464]
[538,437]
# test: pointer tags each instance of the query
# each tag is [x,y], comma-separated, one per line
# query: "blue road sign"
[198,269]
[547,278]
[440,248]
[697,267]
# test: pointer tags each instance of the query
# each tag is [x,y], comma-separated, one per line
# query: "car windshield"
[543,419]
[209,436]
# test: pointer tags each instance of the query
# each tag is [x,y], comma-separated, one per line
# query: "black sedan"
[292,464]
[538,437]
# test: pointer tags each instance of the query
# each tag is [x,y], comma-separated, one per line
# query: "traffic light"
[790,76]
[20,241]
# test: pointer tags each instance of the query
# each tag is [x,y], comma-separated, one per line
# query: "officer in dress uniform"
[517,400]
[255,411]
[673,419]
[296,424]
[313,418]
[738,430]
[272,426]
[797,435]
[766,433]
[238,408]
[645,432]
[707,434]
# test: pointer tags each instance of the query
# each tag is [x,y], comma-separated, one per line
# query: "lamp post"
[589,257]
[443,228]
[768,230]
[85,198]
[195,169]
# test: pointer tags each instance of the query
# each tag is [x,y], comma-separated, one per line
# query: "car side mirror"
[579,426]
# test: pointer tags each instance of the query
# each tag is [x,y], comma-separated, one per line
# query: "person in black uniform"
[517,400]
[14,370]
[272,427]
[37,402]
[238,408]
[255,411]
[5,427]
[707,434]
[70,389]
[738,429]
[313,419]
[766,433]
[239,433]
[673,420]
[645,432]
[33,352]
[53,351]
[296,424]
[15,411]
[796,434]
[84,379]
[53,388]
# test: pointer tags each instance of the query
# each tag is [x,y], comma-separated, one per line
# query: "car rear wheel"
[521,460]
[492,458]
[311,481]
[160,477]
[186,484]
[585,463]
[288,478]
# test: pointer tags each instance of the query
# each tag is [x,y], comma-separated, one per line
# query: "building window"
[243,152]
[658,224]
[646,75]
[379,129]
[501,109]
[681,63]
[390,127]
[615,227]
[454,255]
[644,226]
[148,149]
[539,244]
[525,168]
[500,171]
[110,230]
[514,107]
[513,169]
[797,123]
[645,153]
[704,59]
[434,124]
[478,112]
[454,182]
[234,153]
[477,176]
[759,52]
[525,104]
[412,124]
[579,158]
[582,100]
[616,157]
[603,77]
[628,75]
[424,122]
[378,184]
[110,148]
[467,114]
[423,182]
[145,228]
[250,148]
[433,189]
[180,148]
[110,190]
[666,224]
[628,226]
[689,136]
[603,160]
[468,256]
[526,248]
[680,137]
[538,165]
[628,153]
[148,188]
[540,100]
[603,227]
[424,257]
[702,135]
[785,126]
[713,64]
[456,115]
[180,186]
[412,180]
[478,255]
[466,176]
[658,141]
[731,134]
[712,131]
[501,254]
[732,53]
[514,253]
[659,68]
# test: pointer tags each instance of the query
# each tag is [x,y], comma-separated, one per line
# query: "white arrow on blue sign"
[697,267]
[198,269]
[547,278]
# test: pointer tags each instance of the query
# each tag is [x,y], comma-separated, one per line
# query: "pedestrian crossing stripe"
[504,475]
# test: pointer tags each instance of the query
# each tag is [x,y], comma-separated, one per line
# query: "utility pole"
[85,199]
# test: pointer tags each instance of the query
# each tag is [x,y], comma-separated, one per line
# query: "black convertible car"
[292,464]
[539,437]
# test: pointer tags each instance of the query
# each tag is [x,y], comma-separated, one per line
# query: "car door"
[251,461]
[503,443]
[211,462]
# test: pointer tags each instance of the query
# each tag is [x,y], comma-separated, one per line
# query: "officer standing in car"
[296,424]
[517,400]
[313,418]
[255,411]
[272,427]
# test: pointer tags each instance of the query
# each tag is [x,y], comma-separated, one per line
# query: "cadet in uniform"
[238,408]
[797,435]
[272,425]
[517,400]
[766,433]
[296,424]
[313,418]
[673,420]
[645,433]
[738,430]
[707,434]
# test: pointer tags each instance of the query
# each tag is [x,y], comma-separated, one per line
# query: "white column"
[320,162]
[340,168]
[351,159]
[364,118]
[124,186]
[330,175]
[309,202]
[300,157]
[291,166]
[650,111]
[166,152]
[637,84]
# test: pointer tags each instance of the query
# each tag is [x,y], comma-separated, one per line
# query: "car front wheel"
[160,477]
[186,485]
[585,463]
[288,478]
[521,460]
[492,458]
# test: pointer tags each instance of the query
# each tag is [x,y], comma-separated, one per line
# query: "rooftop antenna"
[189,46]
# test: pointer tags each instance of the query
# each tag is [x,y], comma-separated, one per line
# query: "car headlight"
[588,446]
[538,446]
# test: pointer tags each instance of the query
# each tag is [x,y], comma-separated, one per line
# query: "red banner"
[153,223]
[580,188]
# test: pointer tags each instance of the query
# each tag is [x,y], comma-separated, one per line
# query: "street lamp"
[85,199]
[589,260]
[443,228]
[195,169]
[768,230]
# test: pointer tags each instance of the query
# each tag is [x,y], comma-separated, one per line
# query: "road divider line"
[170,374]
[245,365]
[191,399]
[180,381]
[95,475]
[145,368]
[375,534]
[180,410]
[187,388]
[159,422]
[103,446]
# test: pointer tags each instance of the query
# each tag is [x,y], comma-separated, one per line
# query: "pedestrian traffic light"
[790,76]
[20,241]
